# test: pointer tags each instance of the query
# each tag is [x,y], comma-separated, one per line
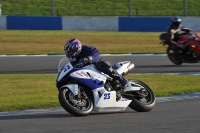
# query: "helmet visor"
[70,53]
[176,24]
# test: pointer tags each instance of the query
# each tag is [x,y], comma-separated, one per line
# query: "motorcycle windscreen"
[62,63]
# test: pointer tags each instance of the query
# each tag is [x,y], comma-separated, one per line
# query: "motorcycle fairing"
[91,67]
[66,69]
[89,78]
[106,102]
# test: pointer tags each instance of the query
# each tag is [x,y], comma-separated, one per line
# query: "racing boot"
[118,78]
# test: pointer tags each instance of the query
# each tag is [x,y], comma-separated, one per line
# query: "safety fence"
[100,7]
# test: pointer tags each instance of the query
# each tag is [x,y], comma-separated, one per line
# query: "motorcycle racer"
[78,53]
[175,30]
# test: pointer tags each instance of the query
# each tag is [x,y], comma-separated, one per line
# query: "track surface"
[169,116]
[180,116]
[48,64]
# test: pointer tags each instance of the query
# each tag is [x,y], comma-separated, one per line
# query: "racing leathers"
[175,33]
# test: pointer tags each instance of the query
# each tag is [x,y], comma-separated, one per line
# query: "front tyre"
[79,105]
[144,100]
[173,55]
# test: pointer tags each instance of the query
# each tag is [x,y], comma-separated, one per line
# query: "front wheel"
[142,100]
[79,105]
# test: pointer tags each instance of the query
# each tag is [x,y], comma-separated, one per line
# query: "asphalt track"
[178,114]
[49,64]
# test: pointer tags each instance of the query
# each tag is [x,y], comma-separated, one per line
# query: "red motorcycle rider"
[176,30]
[180,35]
[183,43]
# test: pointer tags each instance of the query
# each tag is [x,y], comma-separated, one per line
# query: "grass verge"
[51,42]
[33,91]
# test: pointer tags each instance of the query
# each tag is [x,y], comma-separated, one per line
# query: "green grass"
[19,92]
[33,91]
[100,7]
[51,42]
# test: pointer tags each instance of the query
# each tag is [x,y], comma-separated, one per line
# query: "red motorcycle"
[189,53]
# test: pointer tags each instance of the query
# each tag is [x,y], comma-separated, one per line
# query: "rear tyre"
[144,100]
[76,105]
[173,55]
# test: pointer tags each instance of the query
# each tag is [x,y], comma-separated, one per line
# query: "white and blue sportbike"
[85,89]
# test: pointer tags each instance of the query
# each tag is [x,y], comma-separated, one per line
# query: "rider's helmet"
[176,22]
[72,48]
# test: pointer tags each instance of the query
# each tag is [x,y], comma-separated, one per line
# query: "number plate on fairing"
[68,67]
[106,96]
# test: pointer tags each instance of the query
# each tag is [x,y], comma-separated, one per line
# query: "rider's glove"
[90,59]
[84,60]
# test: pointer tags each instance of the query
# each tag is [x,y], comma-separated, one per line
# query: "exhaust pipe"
[129,68]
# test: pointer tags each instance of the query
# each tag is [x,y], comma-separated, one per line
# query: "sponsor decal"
[79,74]
[85,74]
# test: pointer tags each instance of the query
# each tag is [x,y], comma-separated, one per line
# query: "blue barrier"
[34,23]
[131,24]
[144,24]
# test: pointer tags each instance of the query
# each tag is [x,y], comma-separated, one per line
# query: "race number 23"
[107,96]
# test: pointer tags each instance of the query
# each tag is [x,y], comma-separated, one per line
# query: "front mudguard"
[72,87]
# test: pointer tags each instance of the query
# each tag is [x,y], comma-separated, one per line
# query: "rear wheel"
[79,105]
[143,100]
[173,55]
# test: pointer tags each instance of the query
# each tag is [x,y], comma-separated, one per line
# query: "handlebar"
[79,65]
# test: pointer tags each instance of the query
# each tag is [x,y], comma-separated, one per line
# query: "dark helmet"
[72,48]
[176,21]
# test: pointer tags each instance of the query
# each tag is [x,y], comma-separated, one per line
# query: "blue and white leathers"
[89,76]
